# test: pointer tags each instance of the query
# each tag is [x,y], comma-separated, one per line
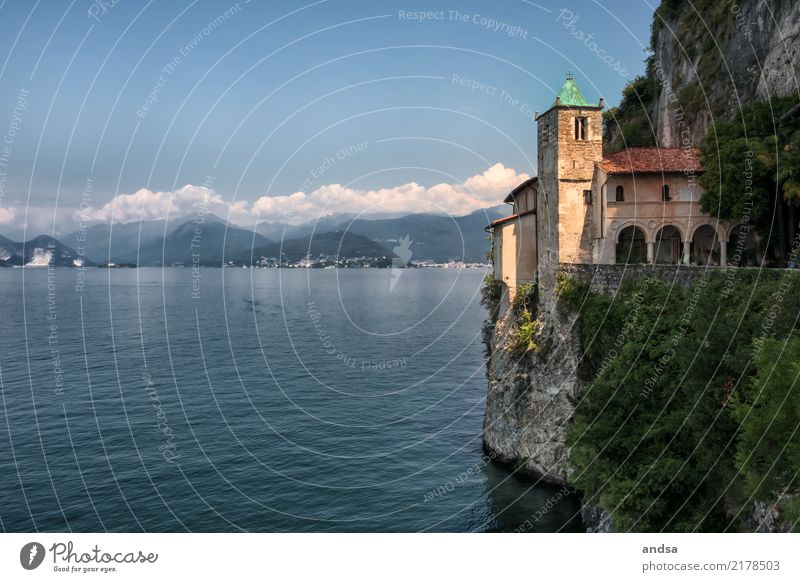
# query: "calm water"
[291,400]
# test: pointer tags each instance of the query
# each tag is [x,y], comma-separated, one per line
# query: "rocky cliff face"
[709,57]
[529,401]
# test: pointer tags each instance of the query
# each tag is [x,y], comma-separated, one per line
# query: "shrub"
[491,293]
[768,408]
[526,297]
[527,330]
[655,432]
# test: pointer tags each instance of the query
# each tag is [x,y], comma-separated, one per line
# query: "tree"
[768,453]
[752,169]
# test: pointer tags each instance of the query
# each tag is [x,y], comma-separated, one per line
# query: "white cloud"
[479,191]
[6,215]
[148,205]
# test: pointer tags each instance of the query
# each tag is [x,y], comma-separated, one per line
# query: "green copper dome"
[570,95]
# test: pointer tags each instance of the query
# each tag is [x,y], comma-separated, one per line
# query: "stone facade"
[566,169]
[640,205]
[608,279]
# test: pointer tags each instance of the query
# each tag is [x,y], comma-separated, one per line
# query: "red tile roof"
[653,161]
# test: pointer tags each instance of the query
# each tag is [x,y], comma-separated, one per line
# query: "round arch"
[743,247]
[668,244]
[631,245]
[733,227]
[647,233]
[705,245]
[717,227]
[676,225]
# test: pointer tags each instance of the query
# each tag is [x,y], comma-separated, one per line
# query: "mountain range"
[186,240]
[433,237]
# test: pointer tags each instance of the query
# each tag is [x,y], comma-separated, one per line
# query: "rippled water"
[270,400]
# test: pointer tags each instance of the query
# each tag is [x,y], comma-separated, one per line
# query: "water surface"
[256,400]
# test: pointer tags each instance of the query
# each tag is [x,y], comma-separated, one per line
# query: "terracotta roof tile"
[653,161]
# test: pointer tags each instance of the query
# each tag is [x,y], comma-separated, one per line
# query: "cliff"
[533,390]
[531,393]
[708,58]
[660,417]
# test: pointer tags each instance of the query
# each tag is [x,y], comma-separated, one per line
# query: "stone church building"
[639,205]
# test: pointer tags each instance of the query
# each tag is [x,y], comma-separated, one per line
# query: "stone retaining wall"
[609,278]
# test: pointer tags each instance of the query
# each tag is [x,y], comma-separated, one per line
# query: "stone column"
[723,253]
[650,254]
[687,250]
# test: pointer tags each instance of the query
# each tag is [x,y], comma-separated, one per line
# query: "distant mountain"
[211,241]
[119,242]
[158,242]
[38,252]
[344,245]
[103,242]
[282,231]
[330,223]
[434,237]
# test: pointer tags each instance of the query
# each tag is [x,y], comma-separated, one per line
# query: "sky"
[121,110]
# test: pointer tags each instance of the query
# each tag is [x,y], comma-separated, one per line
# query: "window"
[581,128]
[620,194]
[665,193]
[587,196]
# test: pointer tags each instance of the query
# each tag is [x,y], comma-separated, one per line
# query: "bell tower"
[569,143]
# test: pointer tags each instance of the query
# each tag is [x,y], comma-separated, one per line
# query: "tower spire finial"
[569,75]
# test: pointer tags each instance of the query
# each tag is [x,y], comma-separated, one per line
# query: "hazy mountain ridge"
[207,243]
[213,240]
[433,237]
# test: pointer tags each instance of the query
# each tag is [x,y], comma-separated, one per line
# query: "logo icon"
[403,256]
[31,555]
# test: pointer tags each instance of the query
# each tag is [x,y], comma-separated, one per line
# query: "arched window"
[620,194]
[665,193]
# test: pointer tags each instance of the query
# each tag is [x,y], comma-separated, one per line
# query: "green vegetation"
[526,297]
[491,293]
[629,124]
[695,33]
[661,434]
[768,408]
[527,330]
[528,327]
[489,254]
[752,170]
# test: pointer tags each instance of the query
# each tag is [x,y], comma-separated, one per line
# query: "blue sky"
[273,98]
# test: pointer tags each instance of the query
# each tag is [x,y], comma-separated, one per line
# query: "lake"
[252,400]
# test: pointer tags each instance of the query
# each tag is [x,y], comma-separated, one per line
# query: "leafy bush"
[491,293]
[527,330]
[525,297]
[654,436]
[752,168]
[768,408]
